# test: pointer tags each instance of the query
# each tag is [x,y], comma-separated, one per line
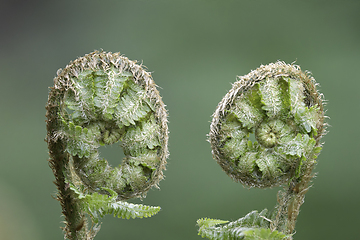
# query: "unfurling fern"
[280,105]
[104,98]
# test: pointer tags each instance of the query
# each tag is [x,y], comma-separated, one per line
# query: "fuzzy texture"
[280,105]
[104,98]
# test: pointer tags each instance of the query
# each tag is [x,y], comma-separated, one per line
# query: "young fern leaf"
[263,234]
[280,105]
[208,222]
[253,226]
[104,98]
[98,205]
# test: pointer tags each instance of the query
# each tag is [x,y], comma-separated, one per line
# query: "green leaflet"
[98,205]
[307,118]
[253,226]
[271,97]
[235,142]
[296,93]
[208,222]
[301,145]
[139,139]
[132,106]
[268,166]
[109,86]
[149,160]
[263,234]
[81,141]
[246,113]
[83,96]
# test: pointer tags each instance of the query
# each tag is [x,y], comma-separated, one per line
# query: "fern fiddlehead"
[280,105]
[104,98]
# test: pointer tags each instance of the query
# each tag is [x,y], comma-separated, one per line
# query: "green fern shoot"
[100,99]
[280,105]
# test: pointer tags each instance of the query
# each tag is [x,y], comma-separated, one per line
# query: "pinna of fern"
[104,98]
[253,226]
[280,105]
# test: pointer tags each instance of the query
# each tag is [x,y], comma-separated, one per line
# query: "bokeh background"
[194,49]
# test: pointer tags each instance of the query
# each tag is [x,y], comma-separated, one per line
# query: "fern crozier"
[279,104]
[104,98]
[266,132]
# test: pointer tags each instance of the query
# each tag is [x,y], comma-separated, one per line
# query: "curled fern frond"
[266,132]
[280,105]
[104,98]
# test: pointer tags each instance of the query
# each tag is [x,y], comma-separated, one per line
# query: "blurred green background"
[194,49]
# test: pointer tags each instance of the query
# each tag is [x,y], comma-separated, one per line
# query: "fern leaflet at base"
[253,226]
[98,205]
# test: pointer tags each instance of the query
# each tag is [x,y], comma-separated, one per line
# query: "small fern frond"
[253,226]
[206,226]
[263,234]
[252,219]
[98,205]
[127,210]
[208,222]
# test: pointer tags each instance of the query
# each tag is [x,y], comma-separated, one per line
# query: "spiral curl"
[280,105]
[104,98]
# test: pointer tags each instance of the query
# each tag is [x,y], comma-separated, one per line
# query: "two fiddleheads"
[280,105]
[104,98]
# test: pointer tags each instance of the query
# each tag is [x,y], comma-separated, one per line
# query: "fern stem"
[74,218]
[290,201]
